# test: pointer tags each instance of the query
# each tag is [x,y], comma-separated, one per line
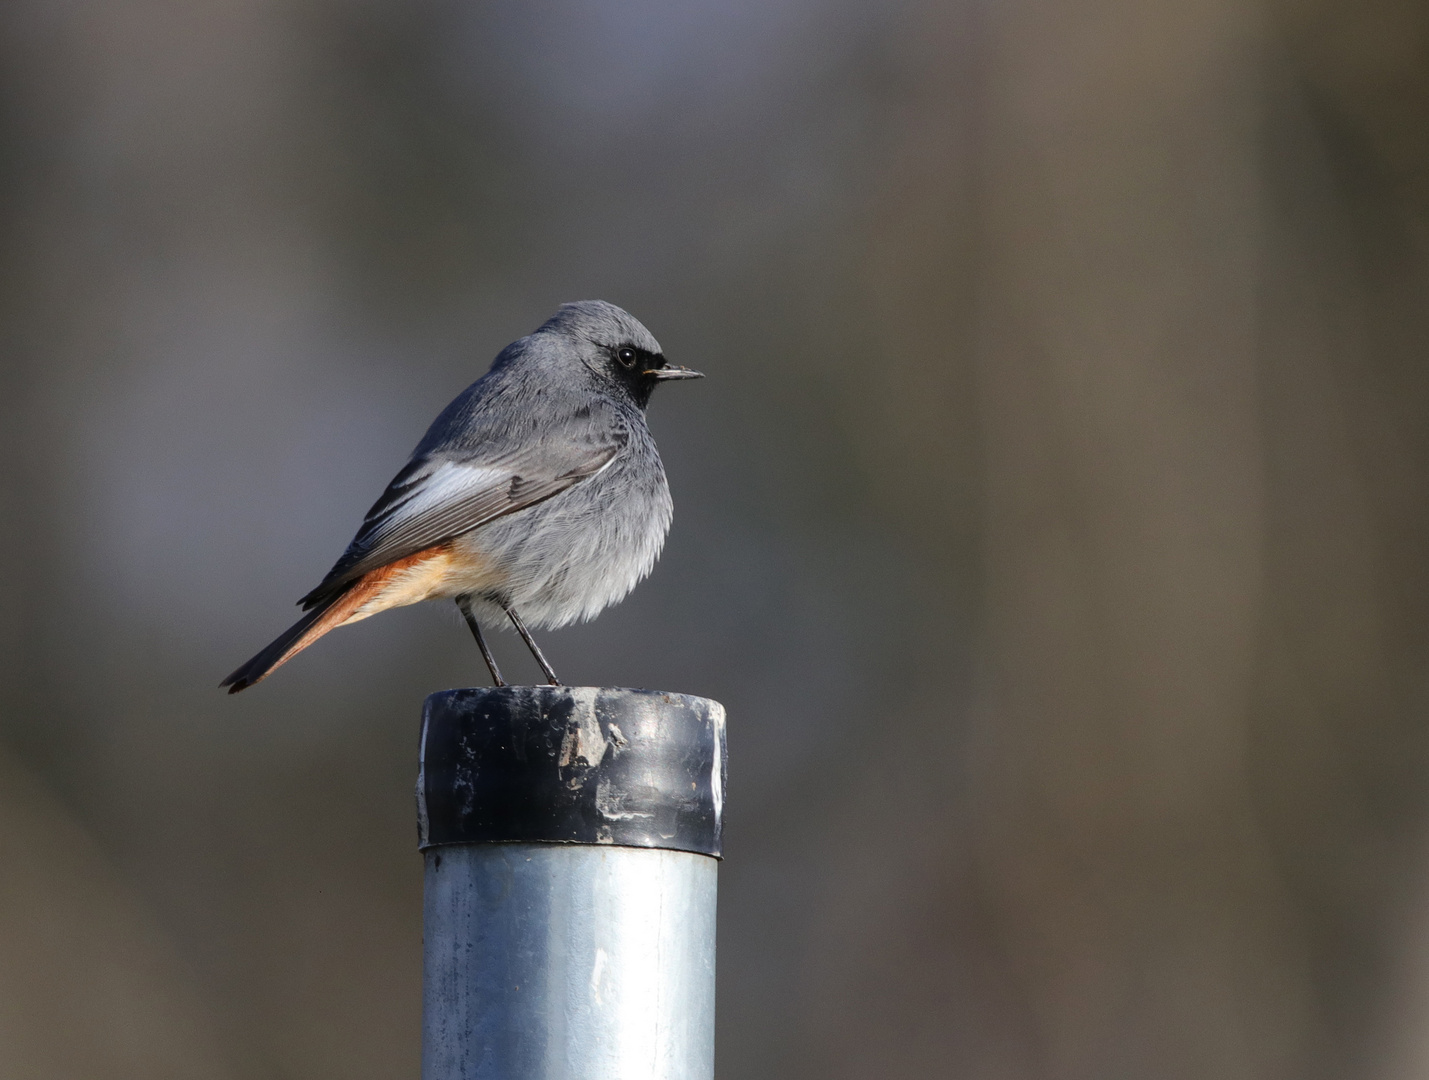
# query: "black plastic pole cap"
[571,765]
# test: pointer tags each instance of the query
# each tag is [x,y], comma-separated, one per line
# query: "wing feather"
[442,494]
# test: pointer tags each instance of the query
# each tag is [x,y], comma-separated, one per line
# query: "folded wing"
[442,494]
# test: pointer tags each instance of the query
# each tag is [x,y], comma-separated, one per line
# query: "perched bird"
[536,496]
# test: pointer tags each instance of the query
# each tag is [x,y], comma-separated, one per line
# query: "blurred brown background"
[1053,521]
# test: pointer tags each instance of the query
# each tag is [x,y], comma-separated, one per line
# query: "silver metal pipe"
[571,837]
[568,961]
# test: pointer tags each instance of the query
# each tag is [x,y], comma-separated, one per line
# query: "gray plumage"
[539,485]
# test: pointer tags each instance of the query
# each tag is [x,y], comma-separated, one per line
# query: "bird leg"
[464,604]
[531,644]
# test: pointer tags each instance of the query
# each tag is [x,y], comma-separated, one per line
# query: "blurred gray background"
[1053,521]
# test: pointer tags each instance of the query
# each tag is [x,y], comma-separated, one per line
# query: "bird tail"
[313,625]
[346,605]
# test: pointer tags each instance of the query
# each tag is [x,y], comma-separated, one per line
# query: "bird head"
[616,348]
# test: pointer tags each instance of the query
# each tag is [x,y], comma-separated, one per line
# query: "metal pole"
[571,837]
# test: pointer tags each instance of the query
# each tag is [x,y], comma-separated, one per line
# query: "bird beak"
[674,371]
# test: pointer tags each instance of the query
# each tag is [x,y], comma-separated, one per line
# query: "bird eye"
[626,357]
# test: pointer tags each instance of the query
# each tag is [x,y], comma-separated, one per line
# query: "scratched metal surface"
[572,764]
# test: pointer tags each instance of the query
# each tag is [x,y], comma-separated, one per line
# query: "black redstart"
[537,495]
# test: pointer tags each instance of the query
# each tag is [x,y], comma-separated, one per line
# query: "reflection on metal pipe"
[572,837]
[578,961]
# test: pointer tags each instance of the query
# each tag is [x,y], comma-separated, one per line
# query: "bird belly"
[570,557]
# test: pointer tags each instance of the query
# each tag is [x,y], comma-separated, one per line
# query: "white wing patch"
[449,481]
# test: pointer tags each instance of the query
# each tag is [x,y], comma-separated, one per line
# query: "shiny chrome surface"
[568,962]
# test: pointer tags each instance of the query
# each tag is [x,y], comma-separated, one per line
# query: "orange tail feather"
[325,617]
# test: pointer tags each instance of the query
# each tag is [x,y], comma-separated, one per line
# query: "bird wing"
[443,494]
